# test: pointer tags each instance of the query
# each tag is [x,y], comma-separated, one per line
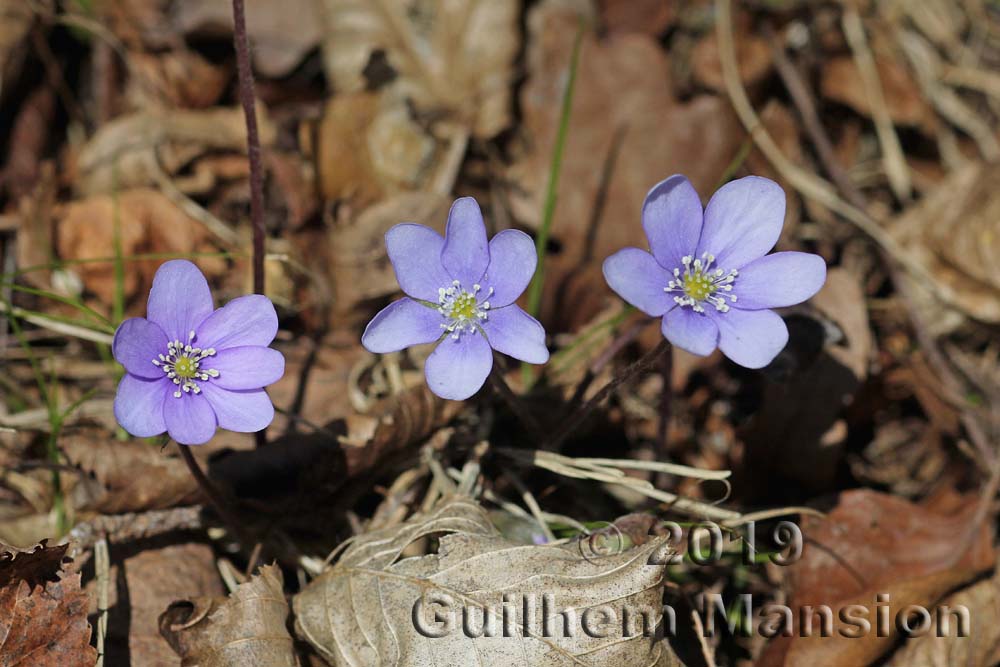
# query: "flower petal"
[415,253]
[636,277]
[249,367]
[672,217]
[517,334]
[457,369]
[466,254]
[743,221]
[179,299]
[240,411]
[512,264]
[691,331]
[778,280]
[401,324]
[139,405]
[136,344]
[246,320]
[190,419]
[751,338]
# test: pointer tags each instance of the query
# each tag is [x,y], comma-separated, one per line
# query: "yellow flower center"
[698,283]
[464,306]
[185,367]
[462,310]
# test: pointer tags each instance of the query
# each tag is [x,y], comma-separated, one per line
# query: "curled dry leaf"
[134,150]
[43,617]
[953,233]
[247,628]
[872,544]
[454,58]
[367,608]
[142,585]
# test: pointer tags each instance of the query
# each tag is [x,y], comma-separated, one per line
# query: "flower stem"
[210,490]
[503,389]
[245,77]
[574,420]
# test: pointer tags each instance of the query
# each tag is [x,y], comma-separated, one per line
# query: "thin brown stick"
[246,91]
[209,489]
[574,420]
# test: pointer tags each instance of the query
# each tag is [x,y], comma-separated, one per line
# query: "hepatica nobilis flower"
[708,275]
[190,368]
[460,291]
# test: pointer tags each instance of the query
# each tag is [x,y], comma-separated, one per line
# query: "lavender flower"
[188,368]
[460,291]
[708,275]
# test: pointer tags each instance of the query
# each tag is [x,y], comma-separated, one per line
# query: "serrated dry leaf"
[454,58]
[360,612]
[247,628]
[43,618]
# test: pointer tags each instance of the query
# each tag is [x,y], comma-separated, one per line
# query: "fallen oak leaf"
[247,628]
[43,622]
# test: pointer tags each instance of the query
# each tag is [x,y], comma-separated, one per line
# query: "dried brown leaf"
[874,543]
[841,82]
[132,476]
[247,628]
[626,133]
[149,223]
[651,17]
[36,566]
[361,611]
[981,646]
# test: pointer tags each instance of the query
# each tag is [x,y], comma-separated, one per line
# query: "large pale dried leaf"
[874,543]
[282,33]
[360,612]
[454,58]
[981,646]
[43,618]
[954,232]
[148,222]
[247,628]
[131,476]
[626,133]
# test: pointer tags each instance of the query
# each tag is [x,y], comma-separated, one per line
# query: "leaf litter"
[126,148]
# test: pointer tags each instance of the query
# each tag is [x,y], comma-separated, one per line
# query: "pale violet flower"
[708,275]
[190,368]
[460,291]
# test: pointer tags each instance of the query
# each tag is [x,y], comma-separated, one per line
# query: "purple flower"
[708,275]
[189,368]
[460,291]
